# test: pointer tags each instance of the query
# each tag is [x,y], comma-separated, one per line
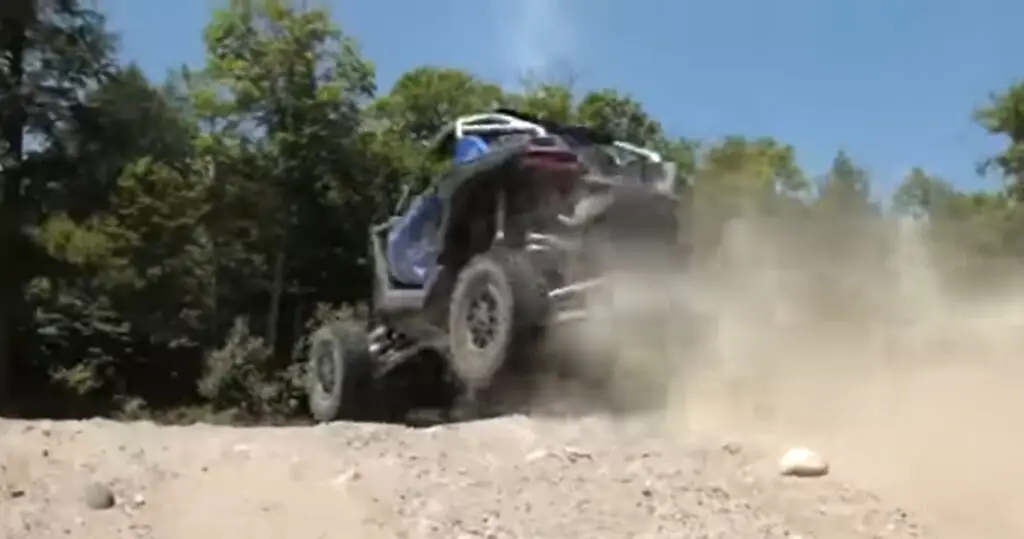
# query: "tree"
[124,119]
[846,190]
[738,177]
[288,88]
[52,56]
[847,227]
[924,196]
[620,115]
[133,280]
[1004,116]
[745,172]
[981,225]
[551,101]
[425,99]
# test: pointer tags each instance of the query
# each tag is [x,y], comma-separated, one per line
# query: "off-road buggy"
[477,270]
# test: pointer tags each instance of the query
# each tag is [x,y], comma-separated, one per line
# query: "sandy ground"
[512,477]
[912,392]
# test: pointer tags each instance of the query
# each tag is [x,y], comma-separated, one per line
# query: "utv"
[476,270]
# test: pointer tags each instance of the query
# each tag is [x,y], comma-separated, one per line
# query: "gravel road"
[511,477]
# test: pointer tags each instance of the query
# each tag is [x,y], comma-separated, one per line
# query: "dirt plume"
[851,338]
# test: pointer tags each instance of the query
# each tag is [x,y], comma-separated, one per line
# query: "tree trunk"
[12,127]
[275,298]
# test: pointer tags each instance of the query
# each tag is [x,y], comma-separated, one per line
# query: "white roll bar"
[496,122]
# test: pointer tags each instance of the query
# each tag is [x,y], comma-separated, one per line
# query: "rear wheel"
[497,307]
[339,355]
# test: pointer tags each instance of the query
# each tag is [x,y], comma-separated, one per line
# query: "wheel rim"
[482,318]
[324,367]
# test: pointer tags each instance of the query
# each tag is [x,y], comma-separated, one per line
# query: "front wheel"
[338,355]
[498,303]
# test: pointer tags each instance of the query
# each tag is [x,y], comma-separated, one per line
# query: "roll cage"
[507,121]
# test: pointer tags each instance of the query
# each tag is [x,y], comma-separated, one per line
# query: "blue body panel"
[412,242]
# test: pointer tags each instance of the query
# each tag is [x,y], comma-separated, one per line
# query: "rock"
[732,448]
[537,455]
[574,454]
[98,496]
[348,476]
[803,462]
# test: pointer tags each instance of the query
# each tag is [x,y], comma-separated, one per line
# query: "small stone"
[98,496]
[803,462]
[574,454]
[348,476]
[732,448]
[536,455]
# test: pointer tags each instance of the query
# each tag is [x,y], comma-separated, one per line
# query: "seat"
[468,148]
[412,242]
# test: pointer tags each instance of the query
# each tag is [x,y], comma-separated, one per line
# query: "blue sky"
[892,82]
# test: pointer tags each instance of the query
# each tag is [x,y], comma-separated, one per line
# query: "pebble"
[98,496]
[803,462]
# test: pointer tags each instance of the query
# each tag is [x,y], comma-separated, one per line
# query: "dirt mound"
[512,477]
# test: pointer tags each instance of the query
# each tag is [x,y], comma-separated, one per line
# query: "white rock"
[348,476]
[537,455]
[803,462]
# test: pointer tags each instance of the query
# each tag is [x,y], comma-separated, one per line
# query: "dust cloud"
[851,339]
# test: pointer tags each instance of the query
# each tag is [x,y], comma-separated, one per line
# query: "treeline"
[164,247]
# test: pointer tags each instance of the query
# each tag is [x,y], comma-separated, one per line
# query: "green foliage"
[845,190]
[168,248]
[619,115]
[242,379]
[1004,116]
